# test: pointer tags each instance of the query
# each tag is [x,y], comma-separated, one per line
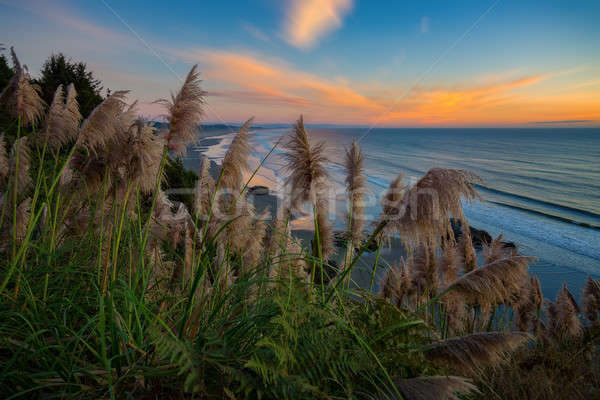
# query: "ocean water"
[541,186]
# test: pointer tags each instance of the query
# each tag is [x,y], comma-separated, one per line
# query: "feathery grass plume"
[355,186]
[537,298]
[22,220]
[235,163]
[75,117]
[563,321]
[4,164]
[388,283]
[496,250]
[54,118]
[177,223]
[240,227]
[472,352]
[306,167]
[279,233]
[19,164]
[160,268]
[424,270]
[162,213]
[66,177]
[255,241]
[20,97]
[390,204]
[189,249]
[528,306]
[204,191]
[145,156]
[61,123]
[448,264]
[434,387]
[307,179]
[591,299]
[63,118]
[87,173]
[455,312]
[290,264]
[397,284]
[493,283]
[425,211]
[104,123]
[325,227]
[185,111]
[454,303]
[468,255]
[18,228]
[106,134]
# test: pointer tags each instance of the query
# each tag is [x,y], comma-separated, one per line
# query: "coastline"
[216,142]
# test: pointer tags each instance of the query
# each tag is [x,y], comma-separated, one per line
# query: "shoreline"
[551,276]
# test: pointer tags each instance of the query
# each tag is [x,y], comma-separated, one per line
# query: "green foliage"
[181,180]
[5,72]
[58,69]
[7,123]
[287,345]
[92,318]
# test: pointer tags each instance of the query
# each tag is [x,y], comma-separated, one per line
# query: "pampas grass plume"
[591,299]
[19,164]
[472,352]
[235,163]
[185,111]
[563,321]
[306,166]
[355,186]
[20,97]
[104,123]
[494,283]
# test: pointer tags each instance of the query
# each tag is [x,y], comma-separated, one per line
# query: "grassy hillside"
[109,288]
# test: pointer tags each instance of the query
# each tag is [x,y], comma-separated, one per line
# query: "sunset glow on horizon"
[470,64]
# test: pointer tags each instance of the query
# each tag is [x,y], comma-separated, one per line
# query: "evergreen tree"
[59,70]
[5,72]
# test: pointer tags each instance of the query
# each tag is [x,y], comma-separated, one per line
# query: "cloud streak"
[309,20]
[255,32]
[60,16]
[275,92]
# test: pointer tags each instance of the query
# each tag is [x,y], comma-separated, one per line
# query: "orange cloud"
[245,79]
[308,20]
[275,92]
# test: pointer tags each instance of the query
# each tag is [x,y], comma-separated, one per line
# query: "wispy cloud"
[309,20]
[255,32]
[425,21]
[60,15]
[568,122]
[250,79]
[275,92]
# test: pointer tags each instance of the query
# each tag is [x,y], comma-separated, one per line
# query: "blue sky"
[389,63]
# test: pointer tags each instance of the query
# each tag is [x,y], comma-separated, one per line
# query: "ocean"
[541,186]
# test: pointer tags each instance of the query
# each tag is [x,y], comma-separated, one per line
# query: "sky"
[486,63]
